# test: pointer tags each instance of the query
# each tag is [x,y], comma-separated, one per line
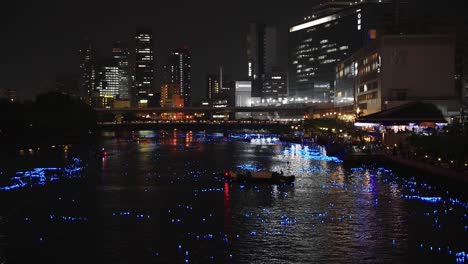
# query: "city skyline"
[216,32]
[56,30]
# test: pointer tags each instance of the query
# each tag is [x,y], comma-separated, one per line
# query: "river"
[161,198]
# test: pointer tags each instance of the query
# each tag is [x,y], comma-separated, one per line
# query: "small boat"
[259,177]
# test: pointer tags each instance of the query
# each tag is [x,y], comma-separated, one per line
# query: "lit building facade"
[121,55]
[333,32]
[108,79]
[399,69]
[243,97]
[144,68]
[179,71]
[243,94]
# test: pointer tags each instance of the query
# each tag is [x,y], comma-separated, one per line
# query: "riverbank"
[432,170]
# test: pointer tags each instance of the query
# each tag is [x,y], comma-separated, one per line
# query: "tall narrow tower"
[144,68]
[87,68]
[180,72]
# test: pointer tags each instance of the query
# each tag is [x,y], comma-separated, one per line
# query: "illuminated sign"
[313,23]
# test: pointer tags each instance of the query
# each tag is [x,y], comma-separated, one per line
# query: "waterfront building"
[144,68]
[333,32]
[399,69]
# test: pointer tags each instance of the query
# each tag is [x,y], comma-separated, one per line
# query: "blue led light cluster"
[41,176]
[422,198]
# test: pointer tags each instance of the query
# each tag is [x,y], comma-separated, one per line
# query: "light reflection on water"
[164,200]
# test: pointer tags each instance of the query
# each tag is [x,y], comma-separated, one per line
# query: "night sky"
[41,39]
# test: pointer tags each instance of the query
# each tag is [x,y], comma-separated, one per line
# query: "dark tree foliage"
[53,118]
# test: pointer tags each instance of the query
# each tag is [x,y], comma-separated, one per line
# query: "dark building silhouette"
[261,54]
[68,84]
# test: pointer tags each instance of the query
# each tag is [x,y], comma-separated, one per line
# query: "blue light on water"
[41,176]
[249,167]
[423,198]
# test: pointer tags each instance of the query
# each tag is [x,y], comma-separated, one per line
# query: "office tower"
[144,68]
[108,84]
[121,55]
[261,54]
[87,78]
[178,71]
[333,32]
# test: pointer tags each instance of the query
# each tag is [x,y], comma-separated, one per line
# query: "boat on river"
[259,177]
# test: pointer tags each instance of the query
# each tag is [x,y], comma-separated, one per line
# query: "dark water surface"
[164,200]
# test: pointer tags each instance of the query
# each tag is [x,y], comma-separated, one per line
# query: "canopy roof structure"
[414,112]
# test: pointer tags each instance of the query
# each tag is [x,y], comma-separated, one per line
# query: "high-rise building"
[121,55]
[332,33]
[87,68]
[144,68]
[261,54]
[178,71]
[109,79]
